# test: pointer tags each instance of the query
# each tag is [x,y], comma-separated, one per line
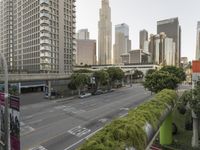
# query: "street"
[64,125]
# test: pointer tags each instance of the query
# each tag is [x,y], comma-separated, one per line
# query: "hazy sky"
[144,14]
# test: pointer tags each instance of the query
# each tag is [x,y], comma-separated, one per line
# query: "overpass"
[16,78]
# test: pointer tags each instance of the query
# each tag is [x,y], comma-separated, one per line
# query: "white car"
[85,95]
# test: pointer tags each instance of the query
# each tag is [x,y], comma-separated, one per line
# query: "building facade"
[169,52]
[105,34]
[138,56]
[122,43]
[43,34]
[83,34]
[184,62]
[125,58]
[86,52]
[172,29]
[162,49]
[143,38]
[198,42]
[6,31]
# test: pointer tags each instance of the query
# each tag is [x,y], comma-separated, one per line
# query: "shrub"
[129,131]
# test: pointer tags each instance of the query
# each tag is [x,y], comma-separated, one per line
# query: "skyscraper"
[198,42]
[41,35]
[83,34]
[143,38]
[162,49]
[105,34]
[122,43]
[172,29]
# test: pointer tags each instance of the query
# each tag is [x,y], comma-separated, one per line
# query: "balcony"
[46,15]
[45,55]
[45,67]
[45,48]
[45,41]
[44,21]
[45,28]
[44,8]
[45,60]
[44,35]
[44,1]
[74,20]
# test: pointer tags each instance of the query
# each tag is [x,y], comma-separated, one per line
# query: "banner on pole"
[14,111]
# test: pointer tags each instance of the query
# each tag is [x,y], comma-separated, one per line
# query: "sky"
[143,14]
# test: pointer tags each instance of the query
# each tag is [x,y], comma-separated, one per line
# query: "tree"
[115,74]
[83,71]
[78,81]
[177,72]
[101,78]
[138,74]
[150,71]
[160,80]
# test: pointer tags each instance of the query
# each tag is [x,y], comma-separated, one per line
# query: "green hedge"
[128,131]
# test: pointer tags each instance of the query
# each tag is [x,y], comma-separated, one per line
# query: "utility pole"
[6,114]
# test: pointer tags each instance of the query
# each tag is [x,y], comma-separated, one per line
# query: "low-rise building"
[139,56]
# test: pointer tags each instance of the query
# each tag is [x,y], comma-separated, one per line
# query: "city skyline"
[137,21]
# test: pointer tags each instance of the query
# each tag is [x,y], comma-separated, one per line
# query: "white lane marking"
[103,120]
[35,121]
[38,148]
[127,109]
[79,131]
[88,136]
[28,117]
[69,109]
[26,129]
[22,124]
[123,115]
[60,107]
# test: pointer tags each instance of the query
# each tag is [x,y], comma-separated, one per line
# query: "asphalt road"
[65,125]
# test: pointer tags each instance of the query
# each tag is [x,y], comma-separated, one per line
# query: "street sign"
[196,77]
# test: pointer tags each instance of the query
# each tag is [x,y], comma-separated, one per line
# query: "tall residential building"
[143,38]
[172,29]
[6,31]
[169,52]
[105,34]
[86,52]
[83,34]
[122,43]
[198,42]
[40,36]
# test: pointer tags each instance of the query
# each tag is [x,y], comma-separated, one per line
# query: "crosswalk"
[38,148]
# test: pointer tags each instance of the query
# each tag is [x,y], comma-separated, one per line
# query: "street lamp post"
[6,115]
[132,77]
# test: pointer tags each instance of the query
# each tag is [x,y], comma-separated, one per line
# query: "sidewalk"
[35,98]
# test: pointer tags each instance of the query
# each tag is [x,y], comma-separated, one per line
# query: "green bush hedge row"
[129,131]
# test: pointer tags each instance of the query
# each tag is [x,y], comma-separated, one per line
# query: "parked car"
[98,92]
[84,95]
